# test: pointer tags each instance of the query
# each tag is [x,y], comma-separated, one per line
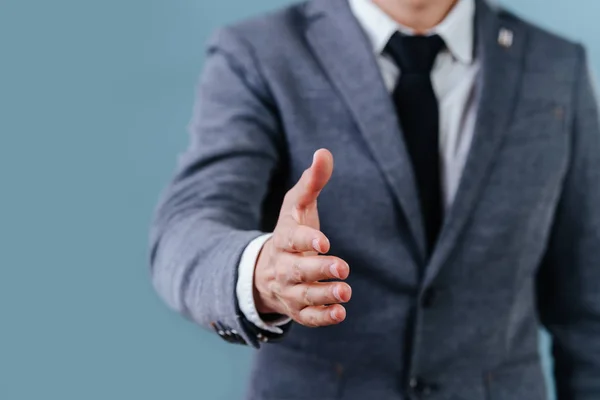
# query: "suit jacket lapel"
[500,46]
[348,60]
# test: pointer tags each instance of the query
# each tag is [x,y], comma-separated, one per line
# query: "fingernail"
[316,246]
[336,293]
[334,271]
[334,315]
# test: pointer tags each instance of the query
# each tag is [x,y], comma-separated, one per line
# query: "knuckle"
[296,273]
[312,320]
[306,296]
[325,269]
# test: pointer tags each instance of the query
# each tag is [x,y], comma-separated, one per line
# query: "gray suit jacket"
[519,248]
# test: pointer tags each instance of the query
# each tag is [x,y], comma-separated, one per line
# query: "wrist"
[262,298]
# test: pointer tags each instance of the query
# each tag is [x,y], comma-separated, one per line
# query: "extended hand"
[289,269]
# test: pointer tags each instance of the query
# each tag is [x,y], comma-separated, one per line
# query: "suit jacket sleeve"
[569,280]
[212,209]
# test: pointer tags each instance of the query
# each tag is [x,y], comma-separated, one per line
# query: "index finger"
[295,238]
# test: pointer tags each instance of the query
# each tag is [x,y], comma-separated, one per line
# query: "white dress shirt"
[454,77]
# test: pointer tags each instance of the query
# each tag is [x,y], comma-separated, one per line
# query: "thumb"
[314,179]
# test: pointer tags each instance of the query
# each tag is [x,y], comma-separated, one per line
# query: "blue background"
[94,100]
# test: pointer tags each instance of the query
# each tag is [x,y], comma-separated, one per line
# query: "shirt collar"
[456,29]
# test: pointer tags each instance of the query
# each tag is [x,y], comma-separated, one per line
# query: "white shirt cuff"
[245,287]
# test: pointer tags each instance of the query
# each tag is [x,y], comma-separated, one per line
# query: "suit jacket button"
[218,328]
[414,382]
[421,388]
[262,338]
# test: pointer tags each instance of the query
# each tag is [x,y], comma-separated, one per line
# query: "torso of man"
[518,247]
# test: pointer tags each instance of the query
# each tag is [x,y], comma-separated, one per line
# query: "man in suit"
[465,201]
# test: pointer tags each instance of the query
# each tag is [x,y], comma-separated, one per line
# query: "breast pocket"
[526,178]
[536,121]
[535,149]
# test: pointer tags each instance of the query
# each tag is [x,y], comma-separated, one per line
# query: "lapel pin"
[505,37]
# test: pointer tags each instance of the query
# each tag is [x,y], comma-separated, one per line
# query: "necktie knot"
[414,54]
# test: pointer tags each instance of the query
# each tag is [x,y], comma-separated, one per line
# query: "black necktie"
[418,112]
